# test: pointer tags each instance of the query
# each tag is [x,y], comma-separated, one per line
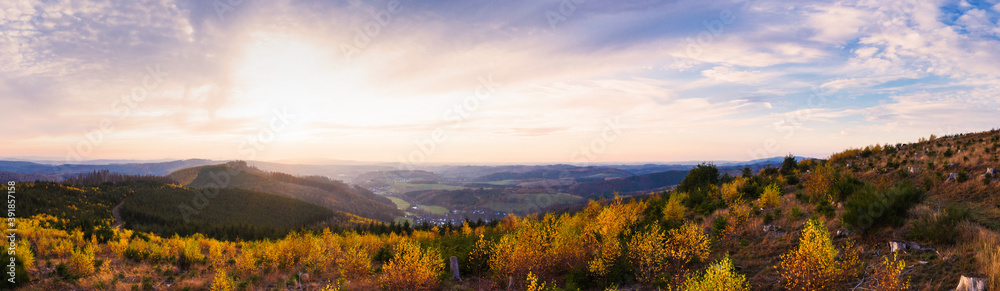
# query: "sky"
[490,81]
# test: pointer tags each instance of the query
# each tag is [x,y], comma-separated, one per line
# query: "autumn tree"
[222,281]
[813,265]
[412,268]
[719,276]
[820,182]
[674,209]
[648,254]
[771,196]
[888,275]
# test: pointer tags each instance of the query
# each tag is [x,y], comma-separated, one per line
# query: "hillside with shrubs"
[807,225]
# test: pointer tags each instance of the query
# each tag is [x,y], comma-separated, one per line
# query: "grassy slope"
[400,203]
[434,209]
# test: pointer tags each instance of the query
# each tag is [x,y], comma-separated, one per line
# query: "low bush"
[940,229]
[871,208]
[720,276]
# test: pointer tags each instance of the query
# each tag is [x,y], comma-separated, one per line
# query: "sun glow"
[286,67]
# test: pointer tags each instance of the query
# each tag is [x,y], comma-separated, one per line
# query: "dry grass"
[987,253]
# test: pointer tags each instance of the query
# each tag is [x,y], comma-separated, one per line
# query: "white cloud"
[727,74]
[837,24]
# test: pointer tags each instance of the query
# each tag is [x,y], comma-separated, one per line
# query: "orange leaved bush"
[412,268]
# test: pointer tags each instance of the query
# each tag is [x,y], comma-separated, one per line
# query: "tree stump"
[454,269]
[969,283]
[896,246]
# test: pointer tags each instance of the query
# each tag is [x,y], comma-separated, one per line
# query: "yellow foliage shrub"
[318,258]
[720,276]
[412,268]
[222,282]
[813,265]
[24,255]
[674,210]
[771,196]
[81,262]
[62,248]
[819,182]
[886,276]
[609,223]
[355,262]
[739,214]
[119,243]
[730,192]
[648,254]
[565,242]
[192,251]
[532,283]
[466,230]
[687,242]
[246,262]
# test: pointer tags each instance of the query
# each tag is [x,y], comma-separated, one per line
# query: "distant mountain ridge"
[160,168]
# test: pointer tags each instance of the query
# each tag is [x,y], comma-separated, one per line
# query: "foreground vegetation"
[809,225]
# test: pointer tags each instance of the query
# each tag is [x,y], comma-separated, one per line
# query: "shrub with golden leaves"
[412,268]
[466,230]
[532,283]
[609,223]
[720,276]
[887,275]
[246,262]
[81,262]
[739,214]
[222,282]
[192,251]
[319,257]
[813,265]
[648,254]
[730,192]
[119,242]
[820,180]
[687,242]
[674,210]
[771,196]
[24,255]
[354,262]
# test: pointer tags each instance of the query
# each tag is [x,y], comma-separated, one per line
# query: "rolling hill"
[641,183]
[556,174]
[332,194]
[158,168]
[153,206]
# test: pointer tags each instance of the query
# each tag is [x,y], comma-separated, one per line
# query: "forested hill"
[575,173]
[321,191]
[167,209]
[646,183]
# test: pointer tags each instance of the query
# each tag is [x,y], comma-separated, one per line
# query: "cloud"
[726,74]
[675,70]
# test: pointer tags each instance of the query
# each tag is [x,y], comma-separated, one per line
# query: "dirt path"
[118,218]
